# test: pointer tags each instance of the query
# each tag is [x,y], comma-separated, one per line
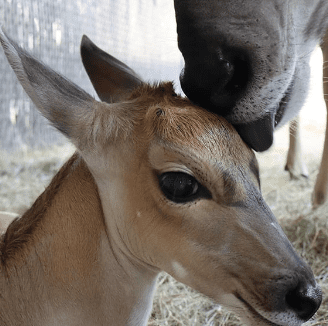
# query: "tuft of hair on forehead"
[157,91]
[175,119]
[156,111]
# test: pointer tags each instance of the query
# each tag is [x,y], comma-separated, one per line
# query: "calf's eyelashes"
[181,187]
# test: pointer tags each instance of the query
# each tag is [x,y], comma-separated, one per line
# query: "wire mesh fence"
[141,33]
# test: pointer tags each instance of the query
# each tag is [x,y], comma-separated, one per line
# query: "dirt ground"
[24,175]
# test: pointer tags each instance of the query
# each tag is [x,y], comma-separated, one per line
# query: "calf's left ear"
[69,108]
[58,99]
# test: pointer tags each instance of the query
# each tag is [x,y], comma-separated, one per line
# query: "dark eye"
[181,187]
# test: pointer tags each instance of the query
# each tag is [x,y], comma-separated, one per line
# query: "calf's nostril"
[304,301]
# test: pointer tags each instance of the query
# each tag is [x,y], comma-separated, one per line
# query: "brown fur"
[173,118]
[21,229]
[89,250]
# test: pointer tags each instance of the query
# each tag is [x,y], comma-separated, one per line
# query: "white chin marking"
[179,270]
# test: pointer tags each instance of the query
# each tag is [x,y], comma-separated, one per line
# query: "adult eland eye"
[181,187]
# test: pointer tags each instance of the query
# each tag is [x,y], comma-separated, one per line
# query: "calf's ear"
[57,98]
[111,78]
[69,108]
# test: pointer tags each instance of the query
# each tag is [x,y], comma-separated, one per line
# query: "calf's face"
[195,205]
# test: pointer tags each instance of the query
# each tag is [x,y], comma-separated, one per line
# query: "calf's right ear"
[106,72]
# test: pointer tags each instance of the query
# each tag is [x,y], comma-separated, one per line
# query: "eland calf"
[157,183]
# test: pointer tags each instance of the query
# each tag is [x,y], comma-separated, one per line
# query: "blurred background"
[141,33]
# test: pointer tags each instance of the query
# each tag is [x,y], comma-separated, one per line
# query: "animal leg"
[295,165]
[321,186]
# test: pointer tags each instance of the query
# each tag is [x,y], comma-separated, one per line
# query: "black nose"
[297,295]
[304,300]
[215,79]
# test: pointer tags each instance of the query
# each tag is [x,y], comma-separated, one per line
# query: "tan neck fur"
[60,257]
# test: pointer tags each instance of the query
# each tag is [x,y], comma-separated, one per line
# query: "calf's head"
[179,188]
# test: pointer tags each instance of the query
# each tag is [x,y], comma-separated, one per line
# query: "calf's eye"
[181,187]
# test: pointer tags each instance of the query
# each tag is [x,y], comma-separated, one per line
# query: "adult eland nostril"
[218,82]
[304,301]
